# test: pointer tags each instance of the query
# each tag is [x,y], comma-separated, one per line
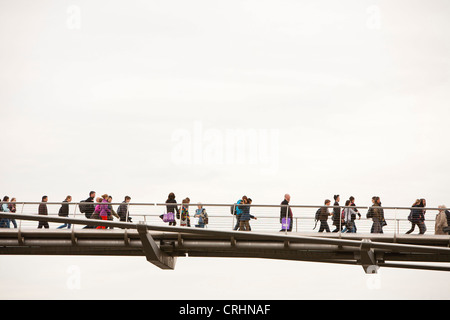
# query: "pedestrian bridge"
[161,244]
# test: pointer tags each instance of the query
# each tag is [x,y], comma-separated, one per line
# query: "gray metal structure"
[161,245]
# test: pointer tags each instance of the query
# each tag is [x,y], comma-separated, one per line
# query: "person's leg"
[413,226]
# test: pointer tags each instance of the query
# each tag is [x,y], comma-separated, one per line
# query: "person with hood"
[103,210]
[238,211]
[244,220]
[441,221]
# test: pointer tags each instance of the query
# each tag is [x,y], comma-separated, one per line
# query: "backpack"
[318,214]
[205,217]
[82,206]
[316,218]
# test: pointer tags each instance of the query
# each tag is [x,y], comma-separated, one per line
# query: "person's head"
[199,205]
[423,202]
[13,199]
[105,197]
[92,194]
[442,207]
[6,198]
[327,202]
[44,198]
[374,199]
[336,198]
[69,198]
[98,199]
[127,199]
[347,203]
[352,199]
[249,200]
[378,200]
[417,202]
[244,198]
[287,197]
[109,199]
[171,196]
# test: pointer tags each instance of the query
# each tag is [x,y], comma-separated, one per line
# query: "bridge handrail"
[226,205]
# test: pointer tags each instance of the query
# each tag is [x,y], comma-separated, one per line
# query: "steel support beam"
[366,257]
[152,252]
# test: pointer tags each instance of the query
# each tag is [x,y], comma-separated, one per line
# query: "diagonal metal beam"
[152,252]
[367,257]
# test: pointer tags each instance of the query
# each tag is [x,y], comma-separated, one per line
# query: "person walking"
[88,208]
[337,217]
[64,212]
[123,211]
[441,221]
[286,214]
[244,222]
[238,211]
[173,208]
[112,211]
[185,220]
[352,203]
[5,222]
[323,215]
[349,218]
[42,210]
[202,216]
[103,210]
[12,208]
[375,214]
[417,216]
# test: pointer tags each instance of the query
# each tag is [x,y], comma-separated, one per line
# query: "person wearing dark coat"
[44,212]
[285,213]
[123,210]
[337,219]
[417,217]
[172,208]
[323,217]
[64,212]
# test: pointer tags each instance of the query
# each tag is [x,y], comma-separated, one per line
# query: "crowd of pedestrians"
[343,218]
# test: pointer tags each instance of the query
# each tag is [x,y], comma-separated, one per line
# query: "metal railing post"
[232,218]
[74,215]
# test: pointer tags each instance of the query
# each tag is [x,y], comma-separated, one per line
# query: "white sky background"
[93,95]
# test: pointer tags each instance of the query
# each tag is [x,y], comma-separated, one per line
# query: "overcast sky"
[216,99]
